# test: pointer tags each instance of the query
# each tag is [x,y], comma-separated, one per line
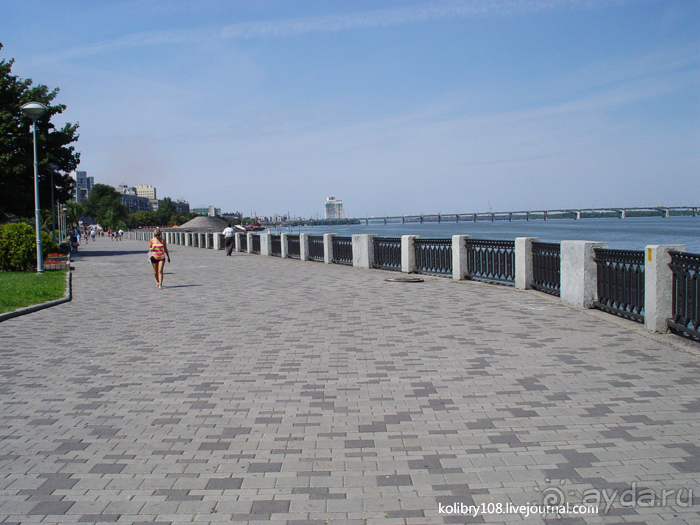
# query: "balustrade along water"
[433,256]
[546,266]
[342,250]
[293,246]
[316,251]
[685,318]
[387,253]
[620,282]
[492,261]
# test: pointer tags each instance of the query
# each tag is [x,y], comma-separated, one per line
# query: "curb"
[68,296]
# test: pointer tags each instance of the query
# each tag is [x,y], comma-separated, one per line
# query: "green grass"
[20,289]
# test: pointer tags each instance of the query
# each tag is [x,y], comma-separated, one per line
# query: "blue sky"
[396,107]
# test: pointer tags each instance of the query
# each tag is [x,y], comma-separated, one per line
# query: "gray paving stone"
[257,389]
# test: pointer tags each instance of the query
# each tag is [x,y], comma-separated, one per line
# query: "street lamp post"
[53,168]
[34,110]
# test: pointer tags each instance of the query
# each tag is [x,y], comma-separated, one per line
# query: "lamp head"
[33,110]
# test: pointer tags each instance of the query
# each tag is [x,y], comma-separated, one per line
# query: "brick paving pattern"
[258,389]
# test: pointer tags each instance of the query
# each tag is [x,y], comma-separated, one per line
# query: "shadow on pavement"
[100,253]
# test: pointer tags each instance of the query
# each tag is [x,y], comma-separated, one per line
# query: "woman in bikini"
[159,251]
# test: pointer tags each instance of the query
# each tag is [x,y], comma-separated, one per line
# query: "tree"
[105,206]
[16,146]
[73,212]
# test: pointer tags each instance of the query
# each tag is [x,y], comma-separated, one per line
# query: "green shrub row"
[18,246]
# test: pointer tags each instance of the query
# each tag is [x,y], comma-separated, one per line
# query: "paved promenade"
[254,389]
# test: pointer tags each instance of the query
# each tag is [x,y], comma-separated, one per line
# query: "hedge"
[18,246]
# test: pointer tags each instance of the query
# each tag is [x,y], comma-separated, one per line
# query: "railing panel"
[293,246]
[342,250]
[276,245]
[686,293]
[387,253]
[316,252]
[492,261]
[244,243]
[546,266]
[210,240]
[256,244]
[433,256]
[620,282]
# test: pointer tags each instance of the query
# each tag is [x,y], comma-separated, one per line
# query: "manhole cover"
[404,280]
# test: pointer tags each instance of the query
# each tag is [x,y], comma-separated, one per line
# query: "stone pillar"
[250,242]
[408,253]
[285,246]
[363,250]
[266,244]
[237,242]
[459,257]
[304,246]
[523,262]
[188,238]
[579,272]
[328,247]
[218,241]
[658,286]
[207,243]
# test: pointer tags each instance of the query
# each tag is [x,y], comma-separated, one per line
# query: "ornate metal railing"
[256,244]
[316,248]
[546,267]
[244,242]
[620,282]
[293,246]
[195,240]
[210,240]
[342,250]
[433,256]
[387,253]
[492,261]
[276,245]
[686,293]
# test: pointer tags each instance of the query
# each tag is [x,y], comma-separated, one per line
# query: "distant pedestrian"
[159,250]
[228,239]
[92,234]
[74,240]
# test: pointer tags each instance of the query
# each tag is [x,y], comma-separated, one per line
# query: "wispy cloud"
[406,15]
[290,27]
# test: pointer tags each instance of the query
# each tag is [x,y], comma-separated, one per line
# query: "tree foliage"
[105,207]
[18,246]
[54,146]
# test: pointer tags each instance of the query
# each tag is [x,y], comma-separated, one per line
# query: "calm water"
[625,234]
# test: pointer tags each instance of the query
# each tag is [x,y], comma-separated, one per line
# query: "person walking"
[228,239]
[159,250]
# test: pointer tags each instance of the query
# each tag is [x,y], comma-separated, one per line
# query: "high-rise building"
[145,190]
[83,185]
[334,209]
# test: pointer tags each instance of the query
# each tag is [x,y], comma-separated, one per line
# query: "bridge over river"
[570,213]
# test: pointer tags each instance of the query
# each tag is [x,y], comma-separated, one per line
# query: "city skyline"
[414,107]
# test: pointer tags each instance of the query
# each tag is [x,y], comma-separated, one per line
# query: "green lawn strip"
[20,289]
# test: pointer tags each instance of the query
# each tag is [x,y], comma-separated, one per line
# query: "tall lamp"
[35,110]
[53,168]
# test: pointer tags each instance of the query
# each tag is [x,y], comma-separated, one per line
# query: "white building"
[334,209]
[144,190]
[83,185]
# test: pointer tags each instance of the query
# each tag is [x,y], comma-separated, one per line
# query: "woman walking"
[159,251]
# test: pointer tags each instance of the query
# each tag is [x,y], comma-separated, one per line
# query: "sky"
[396,107]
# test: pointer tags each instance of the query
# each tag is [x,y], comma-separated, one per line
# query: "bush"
[18,246]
